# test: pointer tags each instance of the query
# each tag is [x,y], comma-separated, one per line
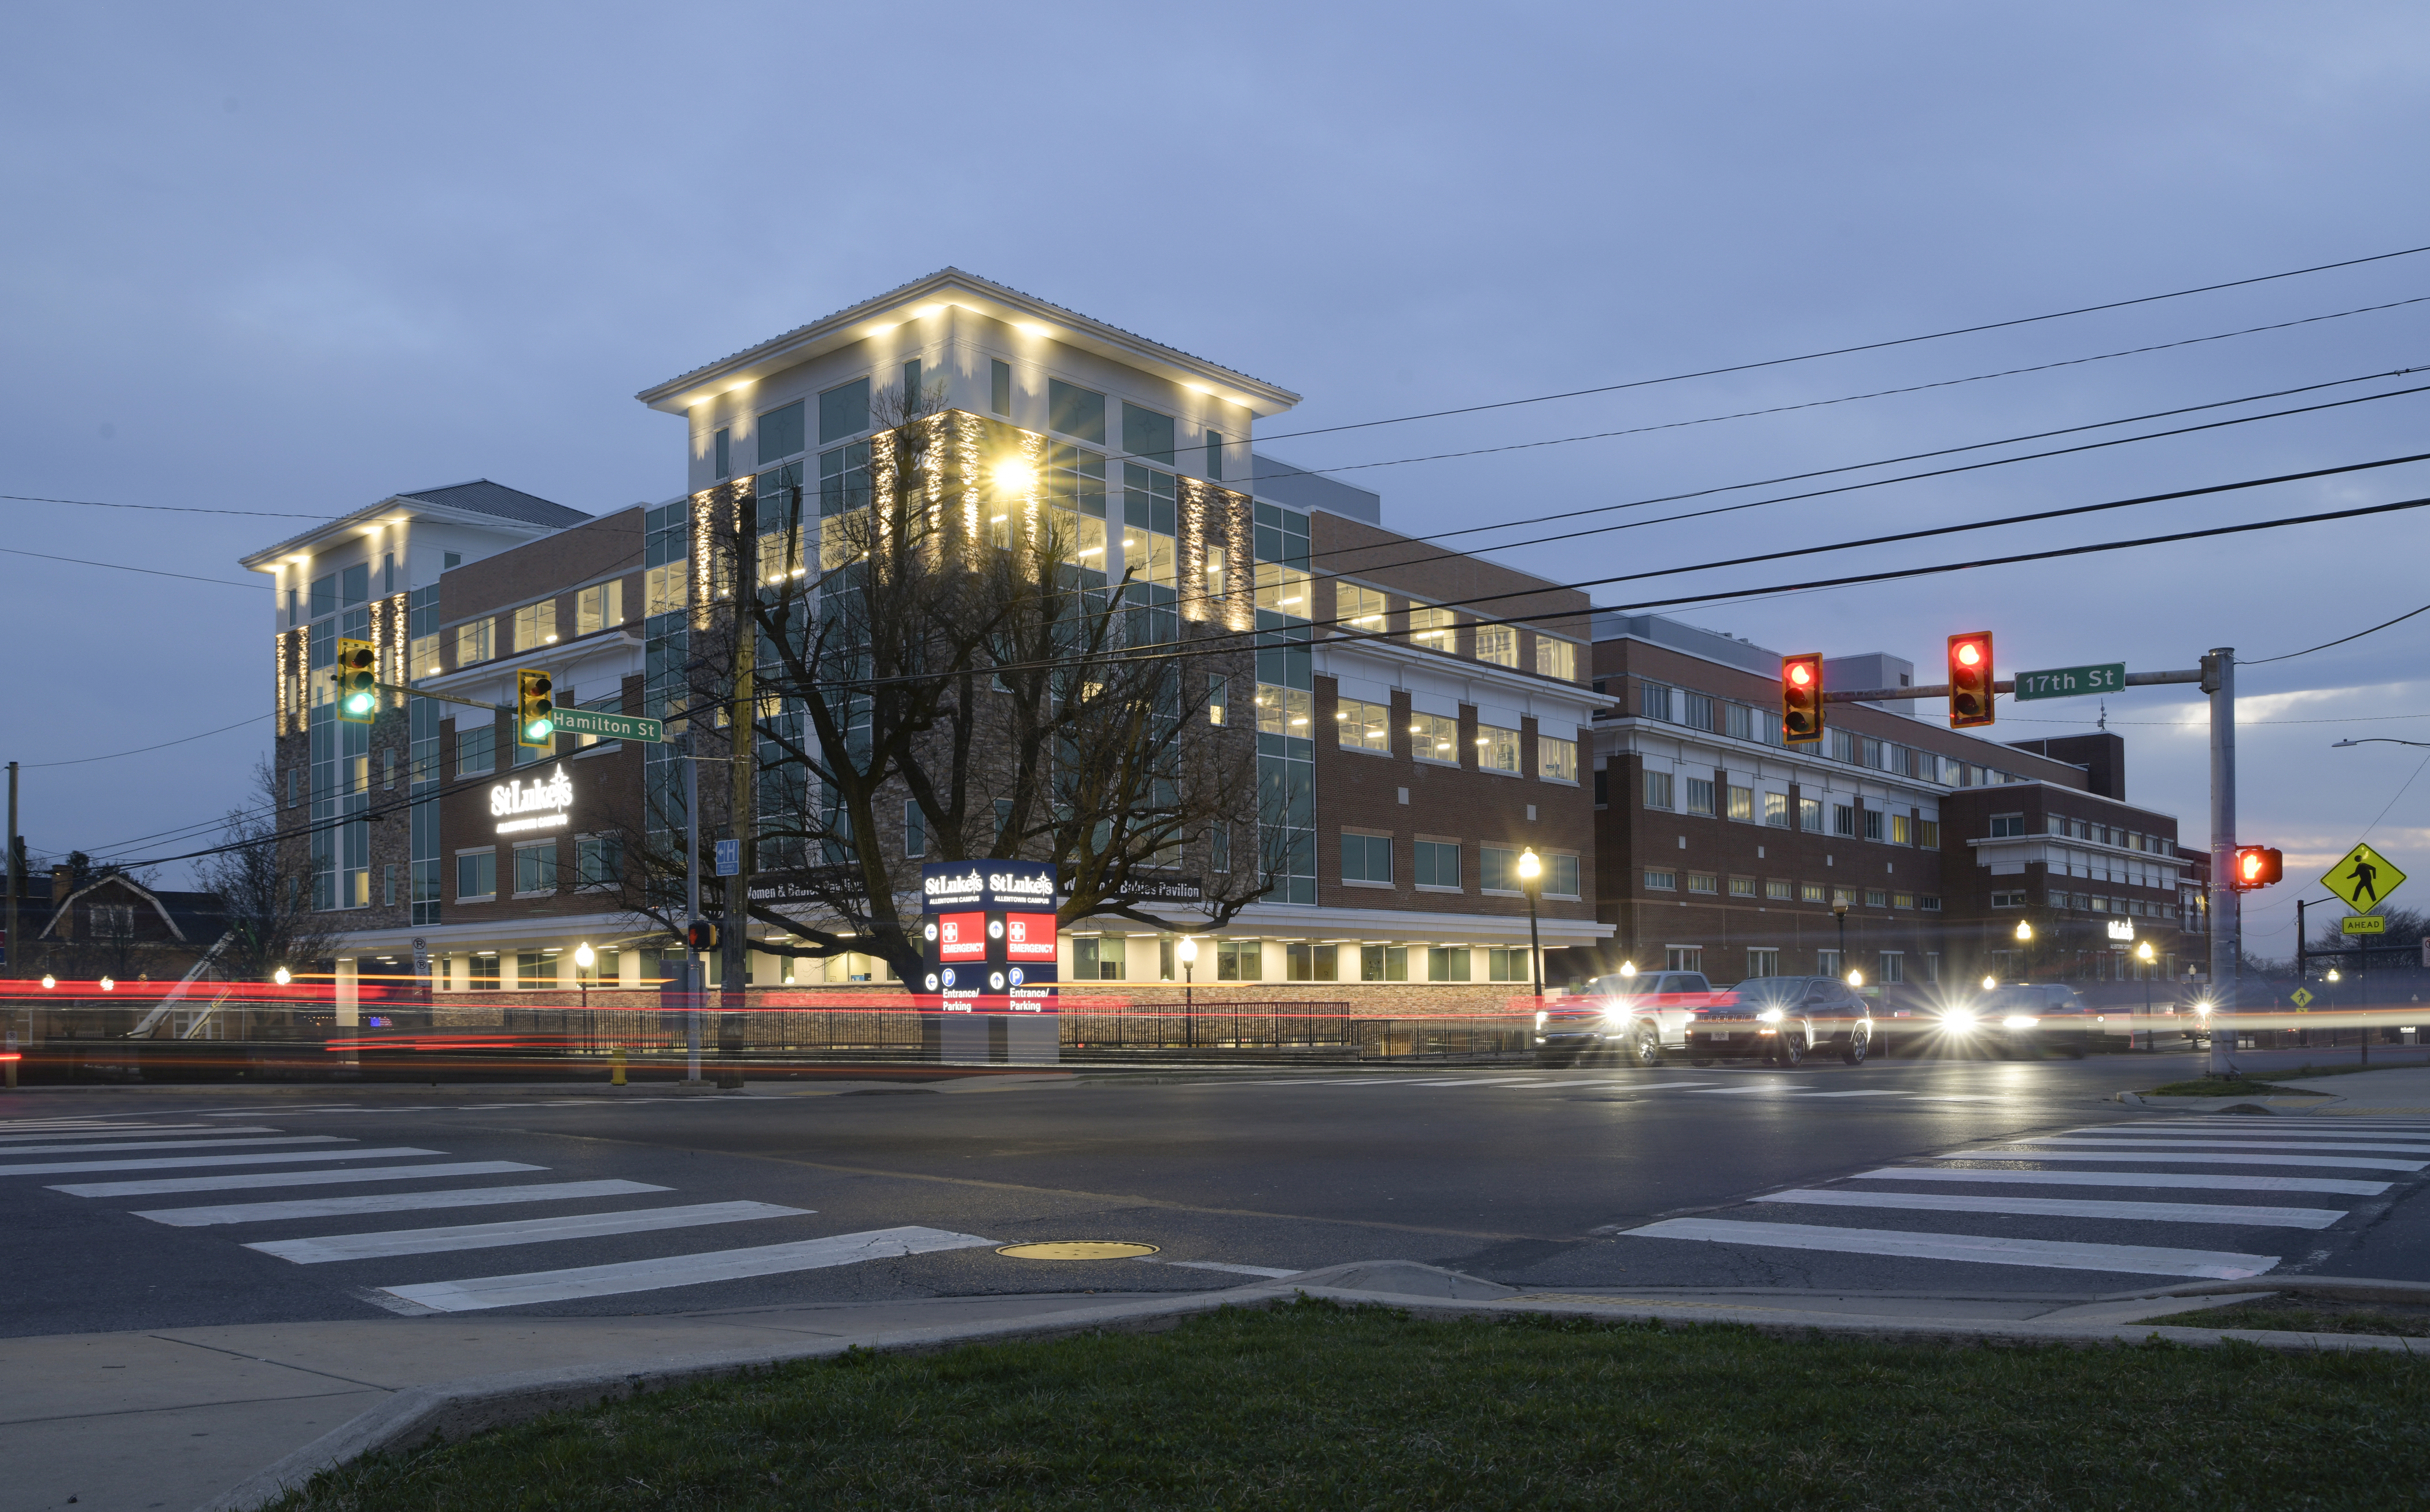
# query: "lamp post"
[1188,951]
[282,976]
[1840,912]
[2025,937]
[2143,954]
[1531,873]
[583,959]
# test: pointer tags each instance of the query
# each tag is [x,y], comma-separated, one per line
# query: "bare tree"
[269,912]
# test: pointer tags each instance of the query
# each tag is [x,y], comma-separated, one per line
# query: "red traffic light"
[2257,866]
[702,935]
[1970,679]
[1800,698]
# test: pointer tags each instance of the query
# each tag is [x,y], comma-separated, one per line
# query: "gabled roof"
[982,294]
[476,500]
[169,906]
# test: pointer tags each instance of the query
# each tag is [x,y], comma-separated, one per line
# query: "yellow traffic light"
[358,682]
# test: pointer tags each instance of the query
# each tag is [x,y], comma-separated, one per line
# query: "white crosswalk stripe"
[2189,1158]
[392,1202]
[177,1162]
[97,1130]
[167,1185]
[2253,1214]
[2181,1179]
[483,1292]
[2188,1142]
[522,1231]
[2127,1259]
[172,1144]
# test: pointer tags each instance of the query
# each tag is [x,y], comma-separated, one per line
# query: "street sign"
[2363,877]
[2070,682]
[609,726]
[2302,996]
[2364,923]
[729,858]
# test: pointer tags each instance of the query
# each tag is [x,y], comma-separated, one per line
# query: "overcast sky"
[294,260]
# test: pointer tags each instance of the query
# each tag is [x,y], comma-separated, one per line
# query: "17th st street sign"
[609,726]
[2070,682]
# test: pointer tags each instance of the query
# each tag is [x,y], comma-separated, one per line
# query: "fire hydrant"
[616,1063]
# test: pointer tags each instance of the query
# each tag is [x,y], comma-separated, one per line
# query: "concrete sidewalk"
[2398,1092]
[180,1418]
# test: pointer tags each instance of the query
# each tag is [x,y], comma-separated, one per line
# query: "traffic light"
[358,683]
[2257,866]
[1800,699]
[535,716]
[1970,679]
[701,935]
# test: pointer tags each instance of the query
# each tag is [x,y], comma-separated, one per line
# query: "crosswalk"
[150,1159]
[2133,1216]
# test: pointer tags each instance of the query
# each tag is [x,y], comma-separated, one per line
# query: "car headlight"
[1958,1019]
[1770,1016]
[2020,1021]
[1540,1017]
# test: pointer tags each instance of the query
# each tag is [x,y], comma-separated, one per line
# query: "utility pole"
[2226,931]
[741,752]
[692,964]
[16,883]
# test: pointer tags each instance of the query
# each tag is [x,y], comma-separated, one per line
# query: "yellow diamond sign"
[2302,996]
[2363,877]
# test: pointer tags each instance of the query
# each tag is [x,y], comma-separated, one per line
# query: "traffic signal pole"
[2226,933]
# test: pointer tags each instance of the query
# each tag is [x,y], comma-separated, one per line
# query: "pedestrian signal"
[1800,699]
[358,683]
[2257,866]
[701,935]
[535,716]
[1970,679]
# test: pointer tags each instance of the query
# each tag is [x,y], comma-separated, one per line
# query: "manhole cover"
[1078,1250]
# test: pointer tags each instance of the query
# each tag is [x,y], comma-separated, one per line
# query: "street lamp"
[1531,870]
[1840,912]
[2143,954]
[1188,952]
[282,976]
[583,959]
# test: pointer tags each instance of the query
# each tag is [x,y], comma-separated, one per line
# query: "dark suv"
[1637,1015]
[1782,1020]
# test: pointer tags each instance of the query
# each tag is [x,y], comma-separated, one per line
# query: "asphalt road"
[151,1209]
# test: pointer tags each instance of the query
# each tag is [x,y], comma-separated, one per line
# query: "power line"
[2324,645]
[151,572]
[1846,351]
[78,761]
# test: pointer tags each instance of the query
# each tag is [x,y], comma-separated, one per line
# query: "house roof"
[191,917]
[478,498]
[986,296]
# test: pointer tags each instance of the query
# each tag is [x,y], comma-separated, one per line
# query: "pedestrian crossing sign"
[2363,878]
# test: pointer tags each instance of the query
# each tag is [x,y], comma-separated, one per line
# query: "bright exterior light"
[281,976]
[1628,967]
[1958,1019]
[109,985]
[1855,978]
[2025,930]
[2143,952]
[2020,1021]
[1529,868]
[1770,1016]
[2333,974]
[584,956]
[1014,478]
[1032,328]
[1188,949]
[1991,982]
[49,981]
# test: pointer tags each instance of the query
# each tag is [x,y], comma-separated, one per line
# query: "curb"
[2280,1106]
[452,1412]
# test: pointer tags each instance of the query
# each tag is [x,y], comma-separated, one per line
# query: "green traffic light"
[538,730]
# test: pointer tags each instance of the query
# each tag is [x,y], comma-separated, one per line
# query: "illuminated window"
[1901,899]
[1283,589]
[1498,643]
[536,626]
[1776,809]
[599,607]
[1218,693]
[1434,738]
[1556,758]
[1900,834]
[1809,815]
[1557,658]
[1742,805]
[1742,887]
[1497,748]
[1286,710]
[1433,628]
[1218,572]
[1357,609]
[1701,882]
[1358,725]
[1780,890]
[1811,892]
[473,642]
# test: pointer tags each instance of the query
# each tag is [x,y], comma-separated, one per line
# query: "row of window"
[1359,609]
[1699,796]
[1764,960]
[598,862]
[2007,825]
[1780,890]
[1435,866]
[600,607]
[1128,958]
[2088,902]
[1359,725]
[1743,721]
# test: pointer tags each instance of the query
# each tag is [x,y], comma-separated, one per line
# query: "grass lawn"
[2308,1313]
[1312,1405]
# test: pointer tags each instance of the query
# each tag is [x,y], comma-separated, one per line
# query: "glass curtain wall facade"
[1285,707]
